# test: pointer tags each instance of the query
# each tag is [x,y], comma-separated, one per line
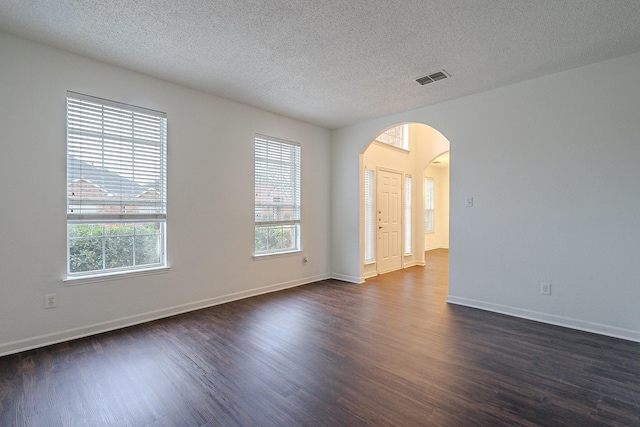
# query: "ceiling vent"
[433,77]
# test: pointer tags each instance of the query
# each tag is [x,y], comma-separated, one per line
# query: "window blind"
[407,214]
[428,205]
[369,216]
[116,161]
[277,181]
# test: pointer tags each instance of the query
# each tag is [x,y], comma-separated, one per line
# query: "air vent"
[433,77]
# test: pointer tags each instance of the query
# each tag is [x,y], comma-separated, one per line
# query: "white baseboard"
[436,248]
[350,279]
[123,322]
[369,275]
[567,322]
[375,273]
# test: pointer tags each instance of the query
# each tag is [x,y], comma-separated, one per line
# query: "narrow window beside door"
[369,216]
[428,205]
[407,215]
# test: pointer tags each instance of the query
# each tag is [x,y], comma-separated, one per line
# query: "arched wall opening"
[408,166]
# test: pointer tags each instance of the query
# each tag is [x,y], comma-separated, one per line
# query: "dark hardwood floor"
[388,352]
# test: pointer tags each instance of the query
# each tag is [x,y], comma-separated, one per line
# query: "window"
[397,136]
[369,216]
[428,205]
[277,192]
[116,186]
[407,214]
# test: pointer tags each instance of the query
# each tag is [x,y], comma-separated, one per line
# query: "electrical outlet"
[545,288]
[50,301]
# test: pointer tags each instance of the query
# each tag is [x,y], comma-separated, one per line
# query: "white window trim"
[118,275]
[296,206]
[371,230]
[391,147]
[433,229]
[408,225]
[261,256]
[405,137]
[79,144]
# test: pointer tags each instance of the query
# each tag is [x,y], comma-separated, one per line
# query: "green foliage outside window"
[94,247]
[275,238]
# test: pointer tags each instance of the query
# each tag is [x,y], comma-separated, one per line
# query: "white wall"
[545,209]
[210,200]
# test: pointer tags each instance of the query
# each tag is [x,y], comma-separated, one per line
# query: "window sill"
[258,257]
[82,280]
[369,262]
[393,147]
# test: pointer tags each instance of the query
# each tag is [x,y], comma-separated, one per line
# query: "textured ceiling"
[334,62]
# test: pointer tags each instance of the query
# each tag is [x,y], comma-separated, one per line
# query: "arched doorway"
[394,214]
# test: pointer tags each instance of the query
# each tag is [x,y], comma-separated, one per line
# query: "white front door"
[389,198]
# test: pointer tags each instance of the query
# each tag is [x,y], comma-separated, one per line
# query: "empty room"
[338,213]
